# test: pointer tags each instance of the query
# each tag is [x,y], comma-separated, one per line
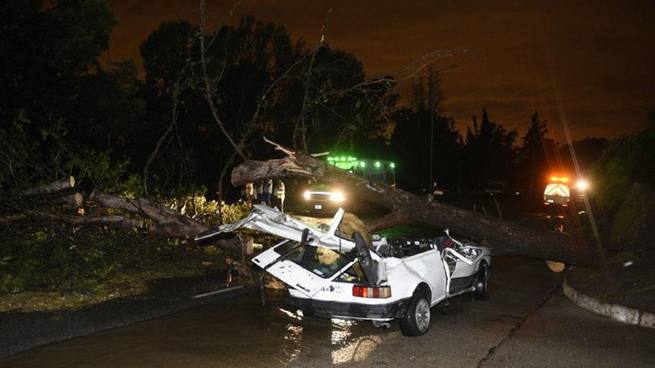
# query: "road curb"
[616,312]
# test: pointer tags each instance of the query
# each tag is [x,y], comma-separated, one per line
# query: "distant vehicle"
[321,197]
[558,191]
[495,187]
[500,188]
[334,275]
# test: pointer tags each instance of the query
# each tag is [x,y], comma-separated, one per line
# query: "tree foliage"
[57,104]
[625,177]
[489,151]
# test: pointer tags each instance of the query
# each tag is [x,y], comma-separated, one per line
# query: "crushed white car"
[334,275]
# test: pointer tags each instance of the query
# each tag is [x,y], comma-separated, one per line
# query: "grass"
[42,271]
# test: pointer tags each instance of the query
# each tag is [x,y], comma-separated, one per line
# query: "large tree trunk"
[502,236]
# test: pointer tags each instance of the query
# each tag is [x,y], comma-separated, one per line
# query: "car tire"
[416,321]
[481,291]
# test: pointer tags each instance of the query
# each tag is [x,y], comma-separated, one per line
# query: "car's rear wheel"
[416,321]
[482,282]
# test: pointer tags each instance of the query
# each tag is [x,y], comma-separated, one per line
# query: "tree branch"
[209,95]
[51,188]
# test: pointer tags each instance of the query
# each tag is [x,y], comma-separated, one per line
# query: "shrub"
[629,224]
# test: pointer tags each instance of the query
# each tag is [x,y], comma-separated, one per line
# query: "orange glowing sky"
[598,56]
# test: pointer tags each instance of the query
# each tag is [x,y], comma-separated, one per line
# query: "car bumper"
[311,203]
[327,309]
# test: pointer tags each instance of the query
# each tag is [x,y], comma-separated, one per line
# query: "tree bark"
[54,187]
[502,237]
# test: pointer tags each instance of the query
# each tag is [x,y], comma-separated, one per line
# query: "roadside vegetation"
[42,267]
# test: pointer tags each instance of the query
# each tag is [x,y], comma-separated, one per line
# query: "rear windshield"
[321,261]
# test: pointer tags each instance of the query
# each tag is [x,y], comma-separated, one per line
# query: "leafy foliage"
[631,219]
[94,263]
[57,104]
[626,177]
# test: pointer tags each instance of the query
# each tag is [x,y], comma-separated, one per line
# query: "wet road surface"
[526,323]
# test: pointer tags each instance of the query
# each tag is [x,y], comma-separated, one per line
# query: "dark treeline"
[486,153]
[63,113]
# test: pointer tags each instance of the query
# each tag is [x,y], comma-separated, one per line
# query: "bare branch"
[167,132]
[209,95]
[300,128]
[279,147]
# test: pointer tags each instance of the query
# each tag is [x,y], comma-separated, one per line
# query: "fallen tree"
[99,208]
[502,236]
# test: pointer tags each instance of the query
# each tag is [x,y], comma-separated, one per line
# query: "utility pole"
[431,110]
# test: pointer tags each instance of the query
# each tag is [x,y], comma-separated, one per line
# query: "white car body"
[405,267]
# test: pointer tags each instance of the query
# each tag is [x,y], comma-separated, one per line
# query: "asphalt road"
[526,323]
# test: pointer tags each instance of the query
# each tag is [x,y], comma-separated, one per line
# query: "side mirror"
[376,237]
[446,231]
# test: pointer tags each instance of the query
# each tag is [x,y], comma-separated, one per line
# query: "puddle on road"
[344,341]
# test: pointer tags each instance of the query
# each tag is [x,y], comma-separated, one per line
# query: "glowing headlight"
[337,196]
[582,185]
[307,195]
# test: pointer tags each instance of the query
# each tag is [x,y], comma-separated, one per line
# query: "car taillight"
[371,292]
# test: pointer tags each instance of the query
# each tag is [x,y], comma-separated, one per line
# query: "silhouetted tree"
[428,133]
[489,152]
[535,155]
[61,108]
[257,83]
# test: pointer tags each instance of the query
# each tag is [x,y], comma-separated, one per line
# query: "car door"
[461,263]
[429,267]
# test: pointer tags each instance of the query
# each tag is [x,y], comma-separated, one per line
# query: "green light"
[362,164]
[377,164]
[392,165]
[330,158]
[343,159]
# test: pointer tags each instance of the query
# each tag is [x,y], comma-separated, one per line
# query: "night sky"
[598,56]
